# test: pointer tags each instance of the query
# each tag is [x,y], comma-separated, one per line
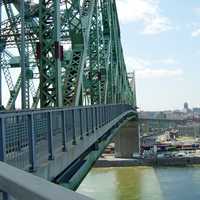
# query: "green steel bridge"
[64,94]
[58,54]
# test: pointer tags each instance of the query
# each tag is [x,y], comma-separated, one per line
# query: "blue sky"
[161,42]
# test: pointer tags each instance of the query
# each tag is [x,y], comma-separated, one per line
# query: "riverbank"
[118,162]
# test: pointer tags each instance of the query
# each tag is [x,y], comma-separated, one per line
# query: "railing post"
[102,116]
[81,124]
[96,117]
[2,140]
[50,136]
[32,143]
[105,114]
[92,120]
[107,111]
[87,121]
[106,121]
[112,113]
[74,129]
[3,149]
[99,117]
[64,131]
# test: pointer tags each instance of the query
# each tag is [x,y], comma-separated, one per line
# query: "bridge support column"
[127,140]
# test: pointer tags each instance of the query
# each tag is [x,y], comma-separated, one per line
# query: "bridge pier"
[127,140]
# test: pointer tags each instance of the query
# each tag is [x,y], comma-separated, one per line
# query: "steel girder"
[50,53]
[90,70]
[14,35]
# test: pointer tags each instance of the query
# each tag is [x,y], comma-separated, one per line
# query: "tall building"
[186,107]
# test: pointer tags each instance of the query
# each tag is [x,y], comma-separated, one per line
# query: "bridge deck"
[48,151]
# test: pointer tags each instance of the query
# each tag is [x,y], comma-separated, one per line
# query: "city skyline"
[162,46]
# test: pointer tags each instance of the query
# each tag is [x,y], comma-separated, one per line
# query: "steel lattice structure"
[62,53]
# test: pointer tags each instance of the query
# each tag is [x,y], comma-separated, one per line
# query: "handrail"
[22,185]
[28,136]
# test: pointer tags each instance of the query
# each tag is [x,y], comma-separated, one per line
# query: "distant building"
[196,114]
[161,115]
[196,110]
[186,108]
[175,114]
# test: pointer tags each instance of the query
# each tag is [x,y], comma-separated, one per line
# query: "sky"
[161,43]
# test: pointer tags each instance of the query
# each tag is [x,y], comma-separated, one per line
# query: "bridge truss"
[62,53]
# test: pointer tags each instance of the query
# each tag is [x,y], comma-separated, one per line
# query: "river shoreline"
[117,162]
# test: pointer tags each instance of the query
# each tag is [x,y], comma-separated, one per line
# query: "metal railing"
[29,137]
[17,184]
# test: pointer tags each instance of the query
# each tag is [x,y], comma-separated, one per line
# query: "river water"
[142,183]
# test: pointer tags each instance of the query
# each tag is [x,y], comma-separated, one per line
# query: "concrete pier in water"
[127,140]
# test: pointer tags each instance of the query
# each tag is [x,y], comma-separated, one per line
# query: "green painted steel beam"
[75,48]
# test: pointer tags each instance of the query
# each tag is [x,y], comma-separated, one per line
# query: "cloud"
[159,73]
[196,33]
[160,68]
[140,63]
[197,11]
[195,26]
[136,63]
[167,61]
[146,11]
[157,25]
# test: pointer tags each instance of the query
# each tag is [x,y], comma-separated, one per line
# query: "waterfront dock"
[119,162]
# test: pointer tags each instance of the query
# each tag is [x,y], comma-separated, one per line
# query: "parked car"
[168,155]
[161,155]
[181,154]
[136,155]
